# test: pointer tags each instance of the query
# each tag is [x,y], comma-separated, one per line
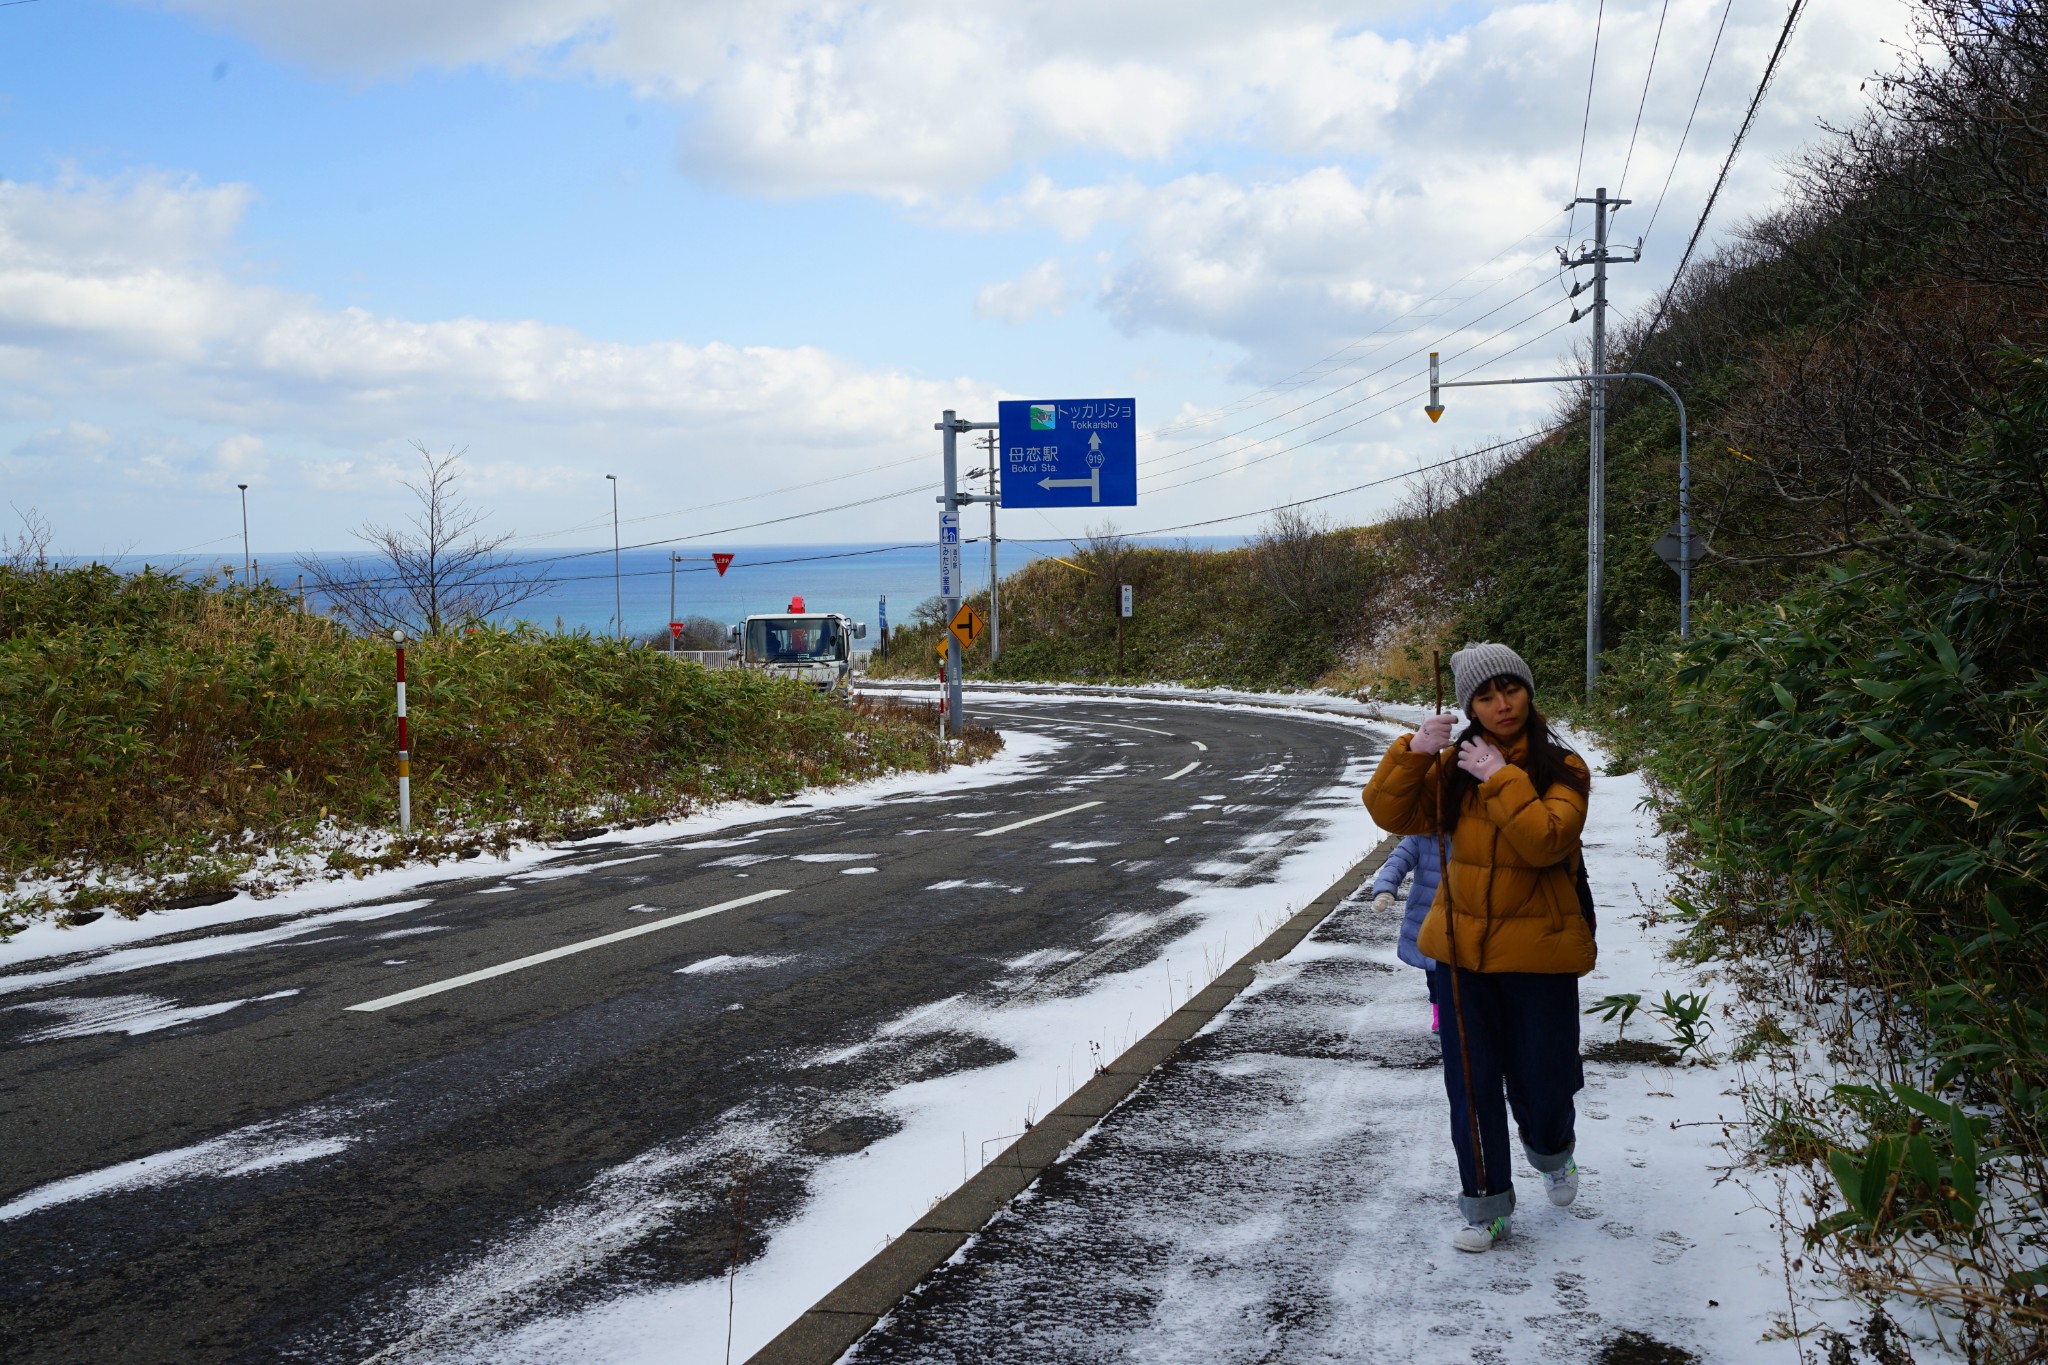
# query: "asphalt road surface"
[270,1141]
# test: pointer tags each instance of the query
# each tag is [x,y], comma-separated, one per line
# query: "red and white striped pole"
[404,746]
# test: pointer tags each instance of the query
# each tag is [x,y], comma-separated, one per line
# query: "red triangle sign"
[723,562]
[675,628]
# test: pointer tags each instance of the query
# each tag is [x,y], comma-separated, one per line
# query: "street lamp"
[618,593]
[245,531]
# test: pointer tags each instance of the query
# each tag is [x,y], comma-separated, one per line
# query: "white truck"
[814,647]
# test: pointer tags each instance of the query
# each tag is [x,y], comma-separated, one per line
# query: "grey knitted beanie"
[1476,665]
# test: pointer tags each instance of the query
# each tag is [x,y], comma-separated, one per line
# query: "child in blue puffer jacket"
[1417,854]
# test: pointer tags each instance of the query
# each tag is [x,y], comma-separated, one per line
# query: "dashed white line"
[1036,819]
[1182,773]
[383,1002]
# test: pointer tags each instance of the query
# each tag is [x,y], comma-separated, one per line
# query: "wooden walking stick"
[1443,863]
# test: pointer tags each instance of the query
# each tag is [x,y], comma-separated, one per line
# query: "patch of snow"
[246,1151]
[129,1014]
[128,959]
[548,874]
[857,871]
[411,933]
[726,962]
[830,857]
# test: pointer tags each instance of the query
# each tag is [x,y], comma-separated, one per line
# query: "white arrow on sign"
[1093,483]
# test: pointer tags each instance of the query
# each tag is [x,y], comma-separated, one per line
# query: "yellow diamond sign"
[967,625]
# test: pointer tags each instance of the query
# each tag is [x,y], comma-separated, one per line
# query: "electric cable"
[1727,163]
[1352,384]
[1643,101]
[1289,383]
[1356,402]
[1586,121]
[1391,407]
[1697,94]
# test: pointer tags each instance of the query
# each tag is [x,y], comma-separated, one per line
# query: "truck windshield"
[794,639]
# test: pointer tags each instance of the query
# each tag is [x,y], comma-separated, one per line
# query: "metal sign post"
[950,590]
[1685,553]
[404,747]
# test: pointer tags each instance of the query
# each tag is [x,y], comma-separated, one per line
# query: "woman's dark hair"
[1544,762]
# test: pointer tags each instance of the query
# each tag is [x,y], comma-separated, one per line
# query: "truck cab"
[808,647]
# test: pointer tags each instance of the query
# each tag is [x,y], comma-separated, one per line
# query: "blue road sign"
[1070,453]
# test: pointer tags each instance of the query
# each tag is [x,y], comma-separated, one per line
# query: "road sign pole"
[951,426]
[995,611]
[1684,477]
[673,634]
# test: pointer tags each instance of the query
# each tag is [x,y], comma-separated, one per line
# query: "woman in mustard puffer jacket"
[1511,801]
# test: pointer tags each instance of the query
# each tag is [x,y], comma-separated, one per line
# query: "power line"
[1708,71]
[1586,121]
[1305,373]
[1325,497]
[1699,228]
[1325,435]
[1323,397]
[1649,71]
[726,502]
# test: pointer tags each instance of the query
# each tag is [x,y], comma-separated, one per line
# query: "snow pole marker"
[1443,863]
[404,746]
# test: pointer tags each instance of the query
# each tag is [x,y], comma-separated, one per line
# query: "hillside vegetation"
[161,738]
[1281,612]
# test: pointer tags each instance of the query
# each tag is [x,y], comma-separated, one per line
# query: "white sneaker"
[1562,1184]
[1480,1236]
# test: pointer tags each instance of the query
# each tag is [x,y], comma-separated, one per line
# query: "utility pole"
[618,593]
[951,425]
[245,531]
[995,610]
[1596,424]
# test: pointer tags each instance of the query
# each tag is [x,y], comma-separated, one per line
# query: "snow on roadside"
[950,1125]
[1019,759]
[1285,1189]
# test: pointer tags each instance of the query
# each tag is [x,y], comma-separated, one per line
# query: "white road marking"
[1036,819]
[1182,773]
[468,978]
[1076,720]
[1199,745]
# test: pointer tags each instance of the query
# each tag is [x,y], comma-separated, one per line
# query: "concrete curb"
[832,1325]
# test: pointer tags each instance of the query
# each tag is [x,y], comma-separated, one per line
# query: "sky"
[742,253]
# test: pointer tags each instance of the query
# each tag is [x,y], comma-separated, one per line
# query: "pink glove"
[1435,732]
[1479,758]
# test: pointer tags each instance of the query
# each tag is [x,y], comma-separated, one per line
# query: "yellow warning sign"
[967,625]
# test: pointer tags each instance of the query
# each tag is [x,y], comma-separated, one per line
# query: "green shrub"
[170,730]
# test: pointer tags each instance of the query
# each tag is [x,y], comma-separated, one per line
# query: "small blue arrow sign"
[1069,453]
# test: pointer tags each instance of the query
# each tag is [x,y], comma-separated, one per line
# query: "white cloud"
[148,311]
[1040,291]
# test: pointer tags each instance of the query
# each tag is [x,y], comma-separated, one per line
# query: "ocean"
[856,579]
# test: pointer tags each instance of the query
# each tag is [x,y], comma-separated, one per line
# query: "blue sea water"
[851,578]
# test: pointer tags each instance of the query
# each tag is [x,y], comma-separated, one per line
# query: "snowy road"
[523,1114]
